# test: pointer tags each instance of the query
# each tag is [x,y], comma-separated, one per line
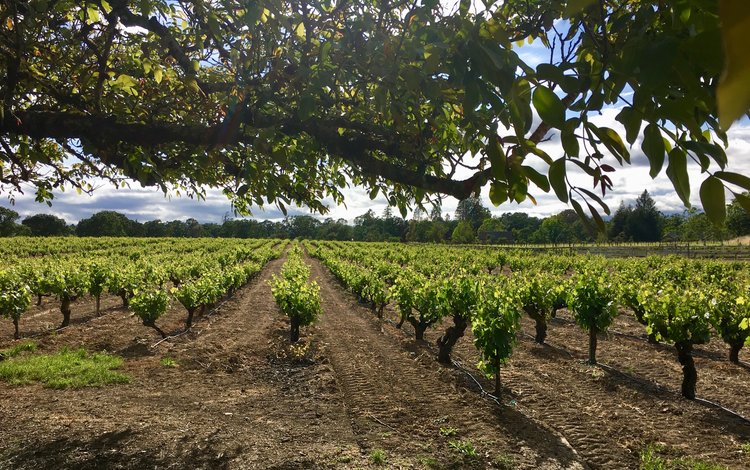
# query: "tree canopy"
[289,102]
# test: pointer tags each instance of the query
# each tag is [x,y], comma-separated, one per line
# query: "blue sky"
[148,204]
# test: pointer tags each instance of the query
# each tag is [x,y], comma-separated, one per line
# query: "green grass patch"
[167,361]
[652,458]
[65,369]
[17,349]
[378,457]
[465,447]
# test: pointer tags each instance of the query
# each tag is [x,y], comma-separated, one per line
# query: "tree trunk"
[98,303]
[689,374]
[153,325]
[734,352]
[65,310]
[39,299]
[401,322]
[124,297]
[592,345]
[380,311]
[294,337]
[450,338]
[17,334]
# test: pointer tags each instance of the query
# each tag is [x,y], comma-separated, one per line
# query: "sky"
[630,181]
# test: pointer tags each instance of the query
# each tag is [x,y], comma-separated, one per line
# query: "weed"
[448,431]
[464,447]
[428,462]
[65,369]
[378,457]
[745,448]
[17,349]
[169,362]
[651,460]
[505,462]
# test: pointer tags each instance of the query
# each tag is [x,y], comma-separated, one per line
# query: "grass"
[464,447]
[17,349]
[167,361]
[378,457]
[651,459]
[64,369]
[448,431]
[504,462]
[745,447]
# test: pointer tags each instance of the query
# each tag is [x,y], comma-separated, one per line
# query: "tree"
[738,220]
[463,233]
[104,224]
[492,230]
[473,211]
[8,219]
[46,225]
[645,221]
[285,103]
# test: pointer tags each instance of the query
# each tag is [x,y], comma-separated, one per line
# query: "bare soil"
[242,397]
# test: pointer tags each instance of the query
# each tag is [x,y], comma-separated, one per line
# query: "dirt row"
[355,389]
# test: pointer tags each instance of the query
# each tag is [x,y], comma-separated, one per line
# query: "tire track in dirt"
[397,404]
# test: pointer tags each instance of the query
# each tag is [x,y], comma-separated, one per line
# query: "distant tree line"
[471,223]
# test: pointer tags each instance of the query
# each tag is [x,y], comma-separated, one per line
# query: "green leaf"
[576,6]
[743,201]
[374,192]
[653,147]
[612,141]
[597,218]
[549,106]
[631,119]
[497,159]
[300,31]
[734,178]
[537,178]
[570,142]
[557,179]
[498,194]
[733,94]
[713,201]
[158,74]
[306,107]
[677,173]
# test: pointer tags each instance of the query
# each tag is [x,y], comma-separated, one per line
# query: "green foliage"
[378,457]
[463,233]
[26,346]
[464,447]
[15,295]
[295,296]
[651,459]
[150,304]
[592,299]
[169,362]
[65,369]
[676,313]
[495,324]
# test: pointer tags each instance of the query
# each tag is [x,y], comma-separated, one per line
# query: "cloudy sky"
[148,204]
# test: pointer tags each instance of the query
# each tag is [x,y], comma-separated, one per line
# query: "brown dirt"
[241,397]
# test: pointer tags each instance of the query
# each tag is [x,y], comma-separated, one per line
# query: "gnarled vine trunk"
[98,304]
[450,338]
[592,345]
[734,352]
[419,328]
[540,326]
[39,299]
[497,376]
[689,374]
[189,321]
[294,331]
[65,310]
[153,325]
[17,333]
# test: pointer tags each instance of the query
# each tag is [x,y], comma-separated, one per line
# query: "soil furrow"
[395,402]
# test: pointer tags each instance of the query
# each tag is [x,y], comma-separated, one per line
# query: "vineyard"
[266,354]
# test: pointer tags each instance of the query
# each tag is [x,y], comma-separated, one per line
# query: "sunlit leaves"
[549,107]
[733,94]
